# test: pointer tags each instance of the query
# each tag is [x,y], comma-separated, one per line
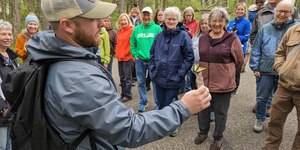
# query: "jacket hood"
[189,22]
[46,46]
[180,27]
[150,24]
[252,7]
[286,24]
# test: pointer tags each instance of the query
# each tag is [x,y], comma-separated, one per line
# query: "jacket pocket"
[290,70]
[266,65]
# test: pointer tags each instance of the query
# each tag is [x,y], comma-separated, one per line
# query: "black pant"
[221,105]
[125,74]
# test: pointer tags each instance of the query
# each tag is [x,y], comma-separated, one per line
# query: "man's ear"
[67,25]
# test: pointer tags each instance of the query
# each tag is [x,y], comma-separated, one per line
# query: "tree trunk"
[142,3]
[156,4]
[2,6]
[165,3]
[43,20]
[16,16]
[30,5]
[121,6]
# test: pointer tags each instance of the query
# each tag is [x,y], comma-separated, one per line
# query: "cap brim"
[102,10]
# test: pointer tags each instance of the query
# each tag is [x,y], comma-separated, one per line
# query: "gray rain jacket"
[79,96]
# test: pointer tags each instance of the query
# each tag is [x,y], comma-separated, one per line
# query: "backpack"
[24,90]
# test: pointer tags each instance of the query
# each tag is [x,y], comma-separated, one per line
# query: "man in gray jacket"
[80,96]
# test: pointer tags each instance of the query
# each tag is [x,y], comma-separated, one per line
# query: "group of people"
[158,47]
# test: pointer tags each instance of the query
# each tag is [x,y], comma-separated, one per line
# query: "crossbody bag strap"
[293,51]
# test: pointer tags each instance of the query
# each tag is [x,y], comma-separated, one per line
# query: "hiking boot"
[212,116]
[254,109]
[142,107]
[258,126]
[148,88]
[200,138]
[268,112]
[216,145]
[126,99]
[175,133]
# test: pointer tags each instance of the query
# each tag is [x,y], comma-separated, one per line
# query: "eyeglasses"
[283,11]
[171,19]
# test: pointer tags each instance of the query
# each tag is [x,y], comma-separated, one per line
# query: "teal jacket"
[141,40]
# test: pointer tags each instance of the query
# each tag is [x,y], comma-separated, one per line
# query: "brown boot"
[200,138]
[216,145]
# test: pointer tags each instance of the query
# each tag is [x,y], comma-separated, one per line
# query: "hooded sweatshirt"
[79,96]
[141,40]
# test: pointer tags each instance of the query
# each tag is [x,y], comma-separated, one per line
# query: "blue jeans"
[109,69]
[4,138]
[266,85]
[187,83]
[165,96]
[141,70]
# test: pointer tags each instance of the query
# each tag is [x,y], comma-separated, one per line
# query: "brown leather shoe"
[200,138]
[126,99]
[216,145]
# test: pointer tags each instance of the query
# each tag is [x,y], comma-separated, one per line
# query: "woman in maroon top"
[222,56]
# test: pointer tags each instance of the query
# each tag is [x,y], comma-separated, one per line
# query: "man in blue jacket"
[263,56]
[79,96]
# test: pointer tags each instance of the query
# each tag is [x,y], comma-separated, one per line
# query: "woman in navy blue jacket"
[171,58]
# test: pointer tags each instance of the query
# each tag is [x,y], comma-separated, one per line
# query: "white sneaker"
[258,126]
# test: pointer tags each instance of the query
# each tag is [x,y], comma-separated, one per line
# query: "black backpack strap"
[93,141]
[81,137]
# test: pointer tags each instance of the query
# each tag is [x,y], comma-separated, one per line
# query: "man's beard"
[84,39]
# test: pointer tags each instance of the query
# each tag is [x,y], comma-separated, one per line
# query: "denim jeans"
[266,85]
[165,96]
[187,83]
[141,70]
[109,69]
[4,138]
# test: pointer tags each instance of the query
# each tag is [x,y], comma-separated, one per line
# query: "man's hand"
[4,113]
[197,100]
[257,74]
[105,66]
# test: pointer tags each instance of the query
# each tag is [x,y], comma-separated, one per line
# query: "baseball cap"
[147,9]
[55,10]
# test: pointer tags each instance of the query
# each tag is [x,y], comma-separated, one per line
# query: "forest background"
[15,11]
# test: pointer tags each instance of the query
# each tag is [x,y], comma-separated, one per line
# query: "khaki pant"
[283,103]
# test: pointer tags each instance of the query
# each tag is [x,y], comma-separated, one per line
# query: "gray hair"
[286,2]
[172,10]
[5,25]
[204,17]
[219,11]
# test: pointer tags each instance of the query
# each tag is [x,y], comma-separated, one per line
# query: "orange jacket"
[20,48]
[123,44]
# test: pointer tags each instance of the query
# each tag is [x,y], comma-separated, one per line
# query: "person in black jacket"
[7,63]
